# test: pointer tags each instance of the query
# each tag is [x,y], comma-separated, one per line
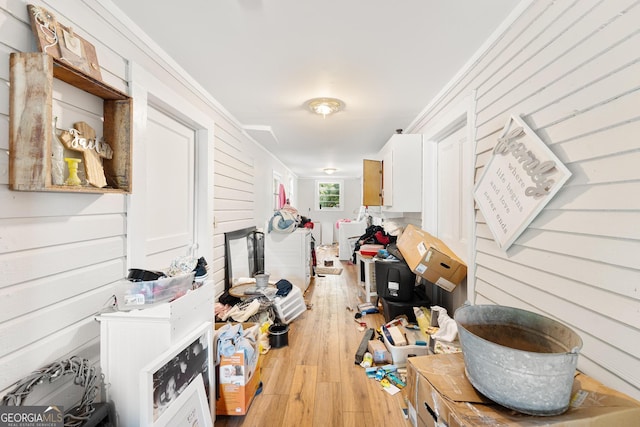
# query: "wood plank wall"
[234,195]
[61,254]
[572,70]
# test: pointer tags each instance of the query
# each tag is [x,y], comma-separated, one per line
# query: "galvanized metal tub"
[517,358]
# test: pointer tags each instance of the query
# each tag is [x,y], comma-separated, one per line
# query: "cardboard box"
[441,395]
[237,376]
[430,258]
[239,380]
[379,352]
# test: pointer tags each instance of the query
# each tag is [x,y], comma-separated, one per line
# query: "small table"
[367,275]
[238,291]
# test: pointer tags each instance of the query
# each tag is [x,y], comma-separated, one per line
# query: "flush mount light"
[330,171]
[325,106]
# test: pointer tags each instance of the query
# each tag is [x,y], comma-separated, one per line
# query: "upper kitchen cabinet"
[394,180]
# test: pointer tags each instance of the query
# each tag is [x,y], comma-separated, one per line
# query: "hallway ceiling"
[263,59]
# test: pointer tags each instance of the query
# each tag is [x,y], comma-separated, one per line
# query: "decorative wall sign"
[62,43]
[82,138]
[522,176]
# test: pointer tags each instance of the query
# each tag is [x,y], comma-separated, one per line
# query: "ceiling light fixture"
[325,106]
[330,171]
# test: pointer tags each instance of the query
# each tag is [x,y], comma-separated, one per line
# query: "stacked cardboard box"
[430,258]
[237,376]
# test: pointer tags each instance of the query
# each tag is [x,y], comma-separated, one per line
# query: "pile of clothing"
[256,307]
[230,339]
[373,235]
[285,220]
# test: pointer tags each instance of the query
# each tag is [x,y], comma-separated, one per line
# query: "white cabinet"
[401,166]
[288,256]
[402,173]
[129,340]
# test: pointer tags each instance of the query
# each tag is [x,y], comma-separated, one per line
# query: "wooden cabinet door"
[371,183]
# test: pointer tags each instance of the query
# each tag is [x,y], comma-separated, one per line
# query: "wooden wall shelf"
[31,125]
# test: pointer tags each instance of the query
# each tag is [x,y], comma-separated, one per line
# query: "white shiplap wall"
[60,254]
[572,70]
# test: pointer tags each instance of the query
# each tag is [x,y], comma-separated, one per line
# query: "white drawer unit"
[288,256]
[291,306]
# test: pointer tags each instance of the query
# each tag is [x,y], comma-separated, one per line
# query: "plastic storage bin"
[394,280]
[136,295]
[291,306]
[399,354]
[393,309]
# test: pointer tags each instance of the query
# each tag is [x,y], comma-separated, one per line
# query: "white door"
[169,194]
[170,209]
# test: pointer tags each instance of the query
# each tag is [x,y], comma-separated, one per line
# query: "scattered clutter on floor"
[366,308]
[426,361]
[237,349]
[251,319]
[384,357]
[281,302]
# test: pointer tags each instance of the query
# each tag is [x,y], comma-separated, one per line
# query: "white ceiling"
[263,59]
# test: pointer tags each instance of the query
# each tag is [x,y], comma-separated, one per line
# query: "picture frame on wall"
[164,380]
[62,42]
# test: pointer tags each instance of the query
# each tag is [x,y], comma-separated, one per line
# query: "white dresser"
[130,340]
[288,256]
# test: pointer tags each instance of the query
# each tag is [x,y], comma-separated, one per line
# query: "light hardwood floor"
[314,381]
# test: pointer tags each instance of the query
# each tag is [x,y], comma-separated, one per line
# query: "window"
[329,195]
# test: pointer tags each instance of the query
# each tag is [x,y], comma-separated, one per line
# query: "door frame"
[147,90]
[459,116]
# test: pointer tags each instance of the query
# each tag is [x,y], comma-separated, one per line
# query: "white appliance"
[348,234]
[288,256]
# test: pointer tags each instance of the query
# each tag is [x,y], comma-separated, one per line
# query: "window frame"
[317,196]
